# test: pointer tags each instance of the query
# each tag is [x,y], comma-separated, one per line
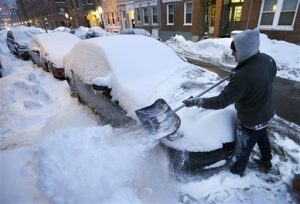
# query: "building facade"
[51,14]
[194,19]
[278,19]
[5,16]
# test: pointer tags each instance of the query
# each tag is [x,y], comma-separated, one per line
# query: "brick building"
[54,13]
[278,19]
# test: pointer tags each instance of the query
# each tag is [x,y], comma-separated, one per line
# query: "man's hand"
[193,102]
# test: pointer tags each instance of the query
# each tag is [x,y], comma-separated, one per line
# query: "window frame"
[276,18]
[168,13]
[138,15]
[143,9]
[152,16]
[185,13]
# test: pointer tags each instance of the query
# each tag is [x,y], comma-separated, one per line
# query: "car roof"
[48,43]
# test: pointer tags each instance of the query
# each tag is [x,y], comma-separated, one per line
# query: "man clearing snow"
[251,91]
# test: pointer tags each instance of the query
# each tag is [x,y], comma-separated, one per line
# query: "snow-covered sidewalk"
[217,51]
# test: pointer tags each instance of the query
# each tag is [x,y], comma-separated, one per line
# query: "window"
[113,18]
[117,16]
[138,17]
[85,2]
[145,15]
[278,14]
[77,4]
[188,7]
[107,18]
[62,10]
[154,14]
[170,14]
[72,4]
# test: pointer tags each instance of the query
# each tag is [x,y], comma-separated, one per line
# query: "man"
[250,88]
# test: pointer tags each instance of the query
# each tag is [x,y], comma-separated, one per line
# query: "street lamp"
[67,19]
[46,24]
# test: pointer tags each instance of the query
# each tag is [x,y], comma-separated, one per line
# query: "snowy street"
[54,149]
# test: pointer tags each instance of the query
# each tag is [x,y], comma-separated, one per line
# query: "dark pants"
[245,142]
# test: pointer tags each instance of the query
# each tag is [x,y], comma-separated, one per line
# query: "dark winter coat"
[250,88]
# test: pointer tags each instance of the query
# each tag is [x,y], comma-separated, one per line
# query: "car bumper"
[191,162]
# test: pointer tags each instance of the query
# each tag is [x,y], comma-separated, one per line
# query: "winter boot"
[234,170]
[267,165]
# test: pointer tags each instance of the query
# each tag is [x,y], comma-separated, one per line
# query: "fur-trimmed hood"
[246,44]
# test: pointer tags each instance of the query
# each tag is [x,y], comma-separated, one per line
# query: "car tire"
[73,91]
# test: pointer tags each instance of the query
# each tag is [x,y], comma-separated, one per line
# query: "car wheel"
[47,67]
[73,91]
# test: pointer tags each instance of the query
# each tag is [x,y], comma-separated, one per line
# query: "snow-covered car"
[135,31]
[19,37]
[62,29]
[115,84]
[80,32]
[94,32]
[47,50]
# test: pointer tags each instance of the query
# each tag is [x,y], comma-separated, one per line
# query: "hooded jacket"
[250,88]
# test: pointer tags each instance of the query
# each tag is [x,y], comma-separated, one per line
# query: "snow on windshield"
[52,50]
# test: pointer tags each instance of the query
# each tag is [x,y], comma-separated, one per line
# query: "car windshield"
[24,35]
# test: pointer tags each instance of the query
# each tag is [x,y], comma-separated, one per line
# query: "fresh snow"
[55,150]
[50,49]
[217,51]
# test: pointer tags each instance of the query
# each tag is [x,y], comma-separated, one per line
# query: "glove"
[193,102]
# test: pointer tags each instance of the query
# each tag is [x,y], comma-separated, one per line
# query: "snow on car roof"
[51,49]
[128,59]
[23,34]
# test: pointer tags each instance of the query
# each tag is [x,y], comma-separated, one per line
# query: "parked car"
[80,32]
[47,50]
[115,84]
[135,31]
[95,32]
[19,37]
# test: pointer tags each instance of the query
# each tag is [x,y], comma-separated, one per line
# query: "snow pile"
[217,51]
[96,164]
[53,51]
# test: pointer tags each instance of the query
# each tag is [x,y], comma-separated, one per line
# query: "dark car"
[95,32]
[115,84]
[18,39]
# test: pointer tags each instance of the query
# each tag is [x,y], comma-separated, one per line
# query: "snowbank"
[217,51]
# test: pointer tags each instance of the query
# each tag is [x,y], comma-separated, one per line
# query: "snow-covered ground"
[217,51]
[55,150]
